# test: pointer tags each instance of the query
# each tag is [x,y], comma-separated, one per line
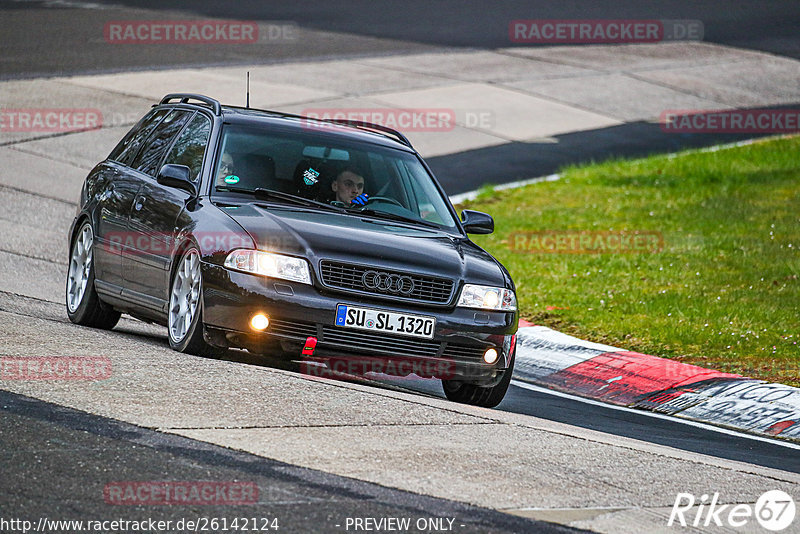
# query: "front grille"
[427,289]
[292,329]
[369,342]
[463,352]
[347,339]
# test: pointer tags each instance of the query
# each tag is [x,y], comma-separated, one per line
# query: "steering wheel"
[388,200]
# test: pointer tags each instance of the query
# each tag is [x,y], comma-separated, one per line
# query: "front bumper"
[299,311]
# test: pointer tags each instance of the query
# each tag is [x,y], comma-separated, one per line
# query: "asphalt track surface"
[59,37]
[55,464]
[632,424]
[50,454]
[55,460]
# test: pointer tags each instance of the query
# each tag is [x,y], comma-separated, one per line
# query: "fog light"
[490,356]
[259,322]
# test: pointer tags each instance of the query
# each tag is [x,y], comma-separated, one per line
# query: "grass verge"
[709,274]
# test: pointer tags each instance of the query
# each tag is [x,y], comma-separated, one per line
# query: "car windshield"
[364,179]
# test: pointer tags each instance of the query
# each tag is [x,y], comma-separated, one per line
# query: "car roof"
[357,131]
[350,129]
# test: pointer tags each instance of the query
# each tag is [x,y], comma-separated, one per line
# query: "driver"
[226,174]
[349,188]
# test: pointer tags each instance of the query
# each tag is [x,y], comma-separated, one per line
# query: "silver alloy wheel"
[80,264]
[185,296]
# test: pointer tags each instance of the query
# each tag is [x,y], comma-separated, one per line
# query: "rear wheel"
[185,321]
[84,307]
[487,397]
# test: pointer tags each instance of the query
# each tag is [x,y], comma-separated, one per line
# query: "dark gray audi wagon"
[279,234]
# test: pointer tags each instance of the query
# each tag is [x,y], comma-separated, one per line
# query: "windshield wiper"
[395,217]
[263,193]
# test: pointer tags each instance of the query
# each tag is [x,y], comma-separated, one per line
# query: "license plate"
[385,321]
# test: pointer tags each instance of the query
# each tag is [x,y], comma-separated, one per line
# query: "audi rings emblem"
[388,283]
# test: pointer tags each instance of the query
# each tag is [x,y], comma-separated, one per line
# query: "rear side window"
[191,145]
[127,149]
[159,140]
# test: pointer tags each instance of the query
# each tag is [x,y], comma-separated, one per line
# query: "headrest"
[255,170]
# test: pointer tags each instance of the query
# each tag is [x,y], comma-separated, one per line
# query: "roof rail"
[185,97]
[368,125]
[345,122]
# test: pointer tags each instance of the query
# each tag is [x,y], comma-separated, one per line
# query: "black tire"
[192,342]
[486,397]
[90,310]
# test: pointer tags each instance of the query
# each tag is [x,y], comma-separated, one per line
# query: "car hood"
[325,235]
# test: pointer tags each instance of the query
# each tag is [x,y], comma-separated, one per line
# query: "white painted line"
[704,426]
[470,195]
[546,336]
[726,146]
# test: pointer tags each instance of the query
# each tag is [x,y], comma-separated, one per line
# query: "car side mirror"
[178,176]
[476,222]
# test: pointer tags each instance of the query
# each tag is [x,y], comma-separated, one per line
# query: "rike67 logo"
[774,511]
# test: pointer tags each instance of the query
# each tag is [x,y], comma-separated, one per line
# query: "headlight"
[487,298]
[269,264]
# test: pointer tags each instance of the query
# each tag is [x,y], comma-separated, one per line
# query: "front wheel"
[185,321]
[487,397]
[83,305]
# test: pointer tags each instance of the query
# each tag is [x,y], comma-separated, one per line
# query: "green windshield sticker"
[232,179]
[310,176]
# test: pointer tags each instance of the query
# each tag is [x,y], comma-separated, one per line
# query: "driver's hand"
[360,200]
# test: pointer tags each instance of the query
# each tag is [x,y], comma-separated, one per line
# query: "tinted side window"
[191,145]
[159,140]
[127,148]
